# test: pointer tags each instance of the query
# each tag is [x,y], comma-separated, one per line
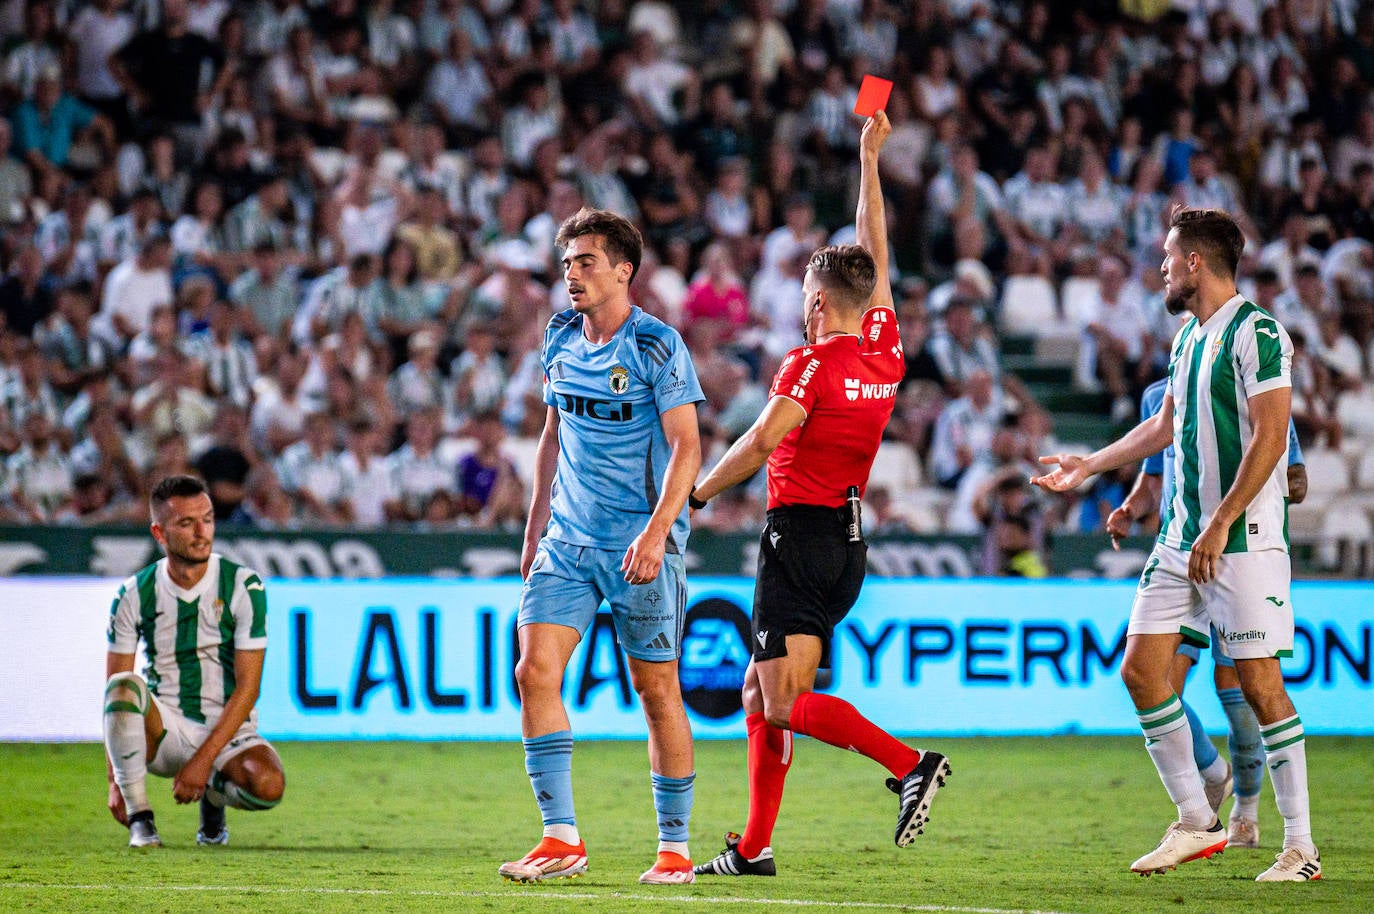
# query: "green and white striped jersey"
[1214,370]
[190,636]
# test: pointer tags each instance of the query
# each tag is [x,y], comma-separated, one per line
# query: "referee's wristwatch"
[696,504]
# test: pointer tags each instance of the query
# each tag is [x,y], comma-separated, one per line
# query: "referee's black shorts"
[809,575]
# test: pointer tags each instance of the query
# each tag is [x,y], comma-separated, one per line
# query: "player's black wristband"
[695,503]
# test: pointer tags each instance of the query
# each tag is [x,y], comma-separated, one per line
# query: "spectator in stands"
[478,378]
[662,92]
[16,184]
[46,125]
[39,475]
[1115,338]
[717,294]
[133,288]
[310,472]
[367,481]
[421,479]
[965,429]
[267,293]
[1036,205]
[172,76]
[226,461]
[435,247]
[25,301]
[492,493]
[1017,537]
[965,216]
[27,390]
[963,346]
[1285,254]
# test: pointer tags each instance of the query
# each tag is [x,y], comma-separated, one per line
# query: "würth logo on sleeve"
[799,389]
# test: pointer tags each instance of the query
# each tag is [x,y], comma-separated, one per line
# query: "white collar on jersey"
[195,593]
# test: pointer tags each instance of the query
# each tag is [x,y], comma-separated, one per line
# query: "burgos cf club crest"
[620,379]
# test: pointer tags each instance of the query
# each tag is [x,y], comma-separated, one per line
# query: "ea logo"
[715,653]
[620,379]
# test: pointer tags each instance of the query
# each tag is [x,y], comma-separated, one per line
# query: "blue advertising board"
[426,659]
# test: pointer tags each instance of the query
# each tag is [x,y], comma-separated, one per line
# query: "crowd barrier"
[434,659]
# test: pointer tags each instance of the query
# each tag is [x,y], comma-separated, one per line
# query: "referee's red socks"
[835,721]
[770,755]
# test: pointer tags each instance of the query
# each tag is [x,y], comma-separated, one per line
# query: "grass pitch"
[1045,825]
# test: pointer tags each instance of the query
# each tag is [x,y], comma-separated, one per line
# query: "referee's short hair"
[175,487]
[1213,234]
[622,240]
[846,271]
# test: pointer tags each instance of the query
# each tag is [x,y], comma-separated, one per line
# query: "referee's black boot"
[916,791]
[730,862]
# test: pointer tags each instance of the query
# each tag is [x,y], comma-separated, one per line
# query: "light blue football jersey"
[1162,463]
[612,453]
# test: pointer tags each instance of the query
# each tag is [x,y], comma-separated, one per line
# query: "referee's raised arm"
[871,220]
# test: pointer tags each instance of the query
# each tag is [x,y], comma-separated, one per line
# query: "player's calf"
[127,702]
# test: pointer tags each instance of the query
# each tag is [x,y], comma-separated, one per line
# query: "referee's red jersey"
[848,386]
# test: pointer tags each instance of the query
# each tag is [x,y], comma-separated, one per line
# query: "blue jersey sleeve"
[675,380]
[1294,446]
[548,352]
[1150,404]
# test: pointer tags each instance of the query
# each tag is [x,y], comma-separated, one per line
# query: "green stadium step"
[1017,345]
[1033,371]
[1063,398]
[1091,429]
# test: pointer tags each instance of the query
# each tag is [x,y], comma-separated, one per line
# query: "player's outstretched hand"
[116,805]
[1071,473]
[190,781]
[876,131]
[643,559]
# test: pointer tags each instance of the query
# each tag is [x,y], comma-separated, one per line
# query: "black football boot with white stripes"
[730,862]
[915,792]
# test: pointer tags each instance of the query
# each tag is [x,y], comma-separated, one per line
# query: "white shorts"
[1248,603]
[183,736]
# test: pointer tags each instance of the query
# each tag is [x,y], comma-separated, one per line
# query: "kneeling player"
[190,717]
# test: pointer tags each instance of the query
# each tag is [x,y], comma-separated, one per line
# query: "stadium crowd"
[305,250]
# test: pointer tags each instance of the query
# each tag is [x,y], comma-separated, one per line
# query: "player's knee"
[778,711]
[657,691]
[1136,678]
[533,674]
[268,784]
[126,691]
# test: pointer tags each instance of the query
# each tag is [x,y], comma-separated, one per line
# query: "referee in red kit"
[819,433]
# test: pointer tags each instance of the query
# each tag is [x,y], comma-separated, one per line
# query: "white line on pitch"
[556,895]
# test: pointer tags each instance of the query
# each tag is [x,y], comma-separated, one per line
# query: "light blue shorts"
[1193,652]
[567,584]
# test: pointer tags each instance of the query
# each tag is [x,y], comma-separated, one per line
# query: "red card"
[873,94]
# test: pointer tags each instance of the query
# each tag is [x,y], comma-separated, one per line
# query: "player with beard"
[190,716]
[831,400]
[1222,557]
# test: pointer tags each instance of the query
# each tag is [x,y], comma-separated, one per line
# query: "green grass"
[1036,824]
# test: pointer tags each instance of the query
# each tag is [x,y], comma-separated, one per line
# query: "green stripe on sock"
[1157,708]
[116,706]
[1275,730]
[1286,743]
[251,802]
[133,685]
